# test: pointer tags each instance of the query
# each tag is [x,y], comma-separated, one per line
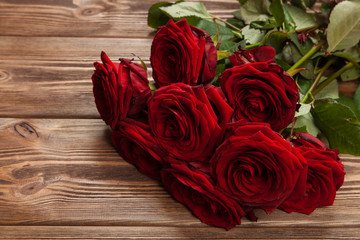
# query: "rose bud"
[184,123]
[120,89]
[258,54]
[182,53]
[258,167]
[325,175]
[261,92]
[195,190]
[136,145]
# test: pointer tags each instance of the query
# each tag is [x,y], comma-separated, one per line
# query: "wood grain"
[116,232]
[87,18]
[65,172]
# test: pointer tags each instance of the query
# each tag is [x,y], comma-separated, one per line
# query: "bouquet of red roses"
[219,150]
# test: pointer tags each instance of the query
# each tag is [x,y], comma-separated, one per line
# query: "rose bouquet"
[218,127]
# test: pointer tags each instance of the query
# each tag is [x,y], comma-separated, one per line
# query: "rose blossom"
[258,54]
[182,53]
[136,145]
[184,123]
[120,89]
[195,190]
[258,167]
[325,175]
[261,92]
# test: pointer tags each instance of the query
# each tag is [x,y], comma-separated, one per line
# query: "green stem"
[252,45]
[332,77]
[227,23]
[311,52]
[317,80]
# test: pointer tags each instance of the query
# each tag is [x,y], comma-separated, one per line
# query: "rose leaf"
[187,9]
[299,17]
[344,28]
[330,91]
[255,10]
[156,17]
[277,11]
[339,124]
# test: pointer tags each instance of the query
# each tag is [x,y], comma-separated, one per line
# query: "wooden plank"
[37,81]
[65,172]
[116,232]
[87,18]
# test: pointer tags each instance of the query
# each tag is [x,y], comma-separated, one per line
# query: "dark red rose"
[195,190]
[259,54]
[136,145]
[184,123]
[120,89]
[325,175]
[261,92]
[182,53]
[258,167]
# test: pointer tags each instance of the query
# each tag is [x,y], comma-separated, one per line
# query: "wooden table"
[60,177]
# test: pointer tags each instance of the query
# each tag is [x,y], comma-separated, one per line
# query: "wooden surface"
[60,177]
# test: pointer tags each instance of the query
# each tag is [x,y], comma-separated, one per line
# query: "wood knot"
[91,11]
[25,130]
[4,75]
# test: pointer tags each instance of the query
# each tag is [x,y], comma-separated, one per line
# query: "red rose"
[261,92]
[259,54]
[325,175]
[258,167]
[182,53]
[135,144]
[194,189]
[184,123]
[120,89]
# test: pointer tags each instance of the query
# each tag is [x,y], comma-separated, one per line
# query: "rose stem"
[227,23]
[332,77]
[317,79]
[252,45]
[311,52]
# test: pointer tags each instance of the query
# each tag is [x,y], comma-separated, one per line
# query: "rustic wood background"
[60,177]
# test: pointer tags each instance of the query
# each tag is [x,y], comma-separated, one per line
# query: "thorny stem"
[227,23]
[311,52]
[317,80]
[332,77]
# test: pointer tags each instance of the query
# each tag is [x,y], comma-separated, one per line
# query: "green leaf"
[304,109]
[277,11]
[255,10]
[223,54]
[156,17]
[276,39]
[330,91]
[351,55]
[242,1]
[344,27]
[351,74]
[236,22]
[308,73]
[339,124]
[299,17]
[347,101]
[252,36]
[305,123]
[356,98]
[186,9]
[231,46]
[212,28]
[220,68]
[304,84]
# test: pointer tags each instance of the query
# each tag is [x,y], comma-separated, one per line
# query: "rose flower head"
[261,92]
[325,175]
[182,53]
[195,190]
[136,145]
[258,54]
[184,123]
[258,167]
[120,89]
